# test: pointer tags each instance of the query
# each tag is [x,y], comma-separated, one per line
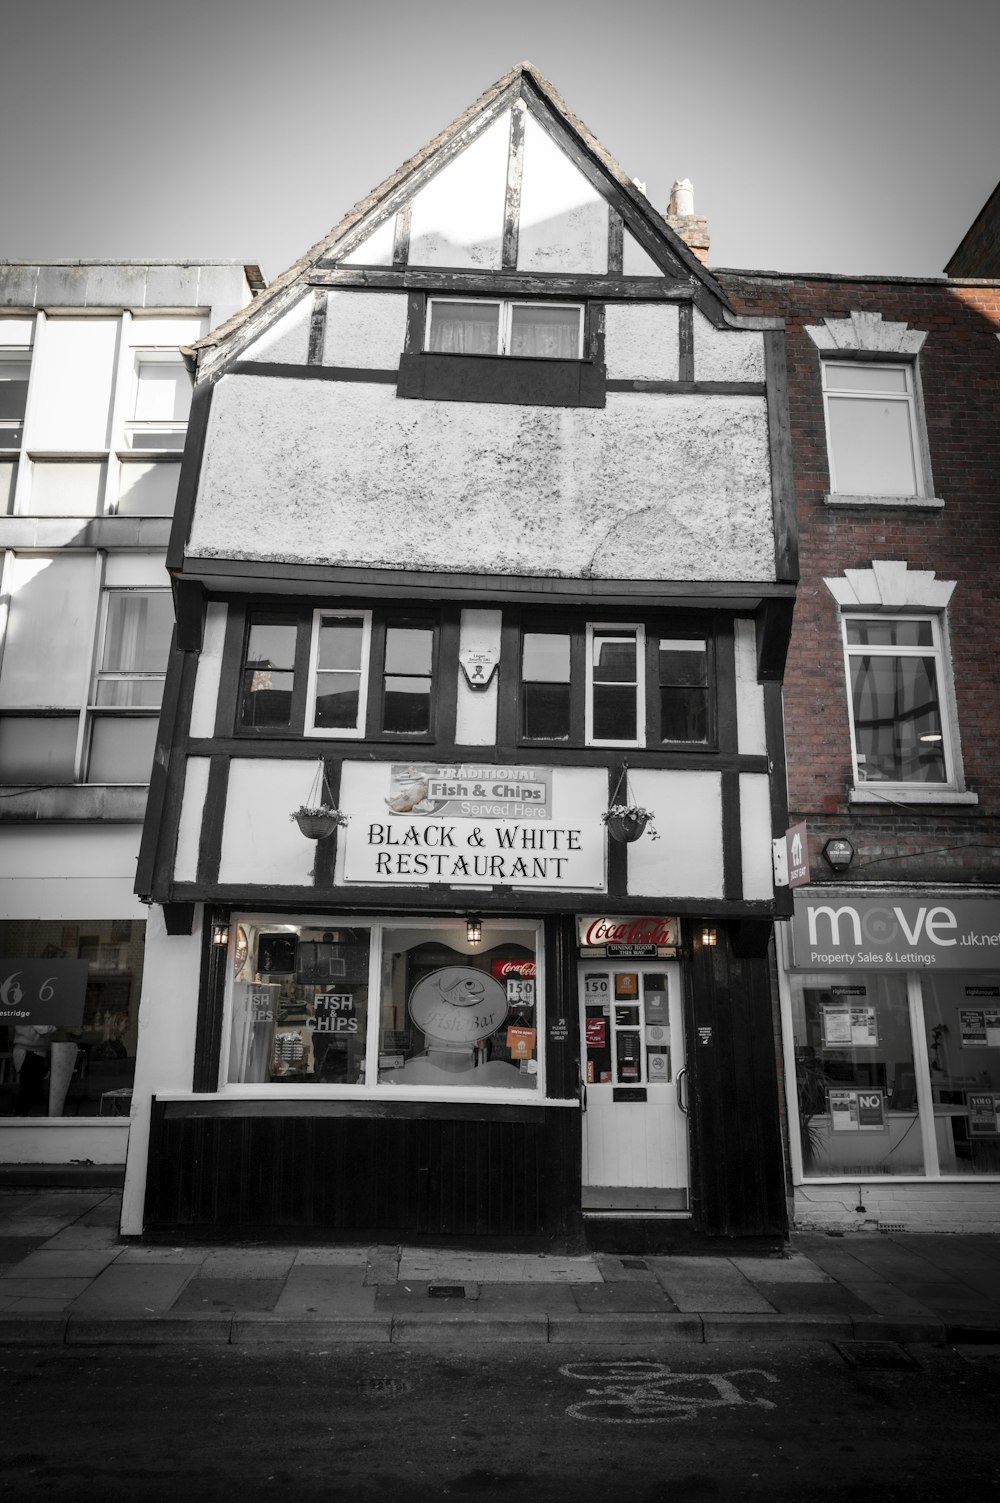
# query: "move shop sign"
[904,932]
[472,825]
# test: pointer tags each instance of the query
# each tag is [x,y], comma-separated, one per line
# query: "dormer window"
[525,331]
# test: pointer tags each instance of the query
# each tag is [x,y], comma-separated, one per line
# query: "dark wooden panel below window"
[498,378]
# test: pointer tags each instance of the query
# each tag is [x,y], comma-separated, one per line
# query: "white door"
[635,1142]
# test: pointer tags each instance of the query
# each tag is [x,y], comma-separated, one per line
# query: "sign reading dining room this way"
[473,824]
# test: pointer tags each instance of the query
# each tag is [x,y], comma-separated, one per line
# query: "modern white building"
[94,399]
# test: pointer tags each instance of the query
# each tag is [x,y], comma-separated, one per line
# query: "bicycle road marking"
[651,1393]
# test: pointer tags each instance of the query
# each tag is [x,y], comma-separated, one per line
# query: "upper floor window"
[161,402]
[899,721]
[344,674]
[871,425]
[545,331]
[614,685]
[15,365]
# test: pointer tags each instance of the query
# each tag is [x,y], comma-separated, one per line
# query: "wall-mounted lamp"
[220,934]
[473,930]
[839,854]
[709,937]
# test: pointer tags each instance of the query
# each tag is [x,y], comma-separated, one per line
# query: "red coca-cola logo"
[630,931]
[504,968]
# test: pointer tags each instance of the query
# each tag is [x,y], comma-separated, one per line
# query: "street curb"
[764,1327]
[625,1329]
[892,1328]
[147,1330]
[33,1330]
[426,1328]
[269,1330]
[972,1333]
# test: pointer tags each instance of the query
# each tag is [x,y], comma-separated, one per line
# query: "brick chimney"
[692,227]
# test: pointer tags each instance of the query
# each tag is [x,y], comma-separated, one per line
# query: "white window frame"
[371,1089]
[505,321]
[134,426]
[14,355]
[910,398]
[939,651]
[96,711]
[334,733]
[637,630]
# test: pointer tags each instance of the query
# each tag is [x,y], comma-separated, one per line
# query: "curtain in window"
[546,333]
[465,328]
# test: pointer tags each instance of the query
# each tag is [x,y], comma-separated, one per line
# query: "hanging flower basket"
[316,824]
[627,822]
[320,816]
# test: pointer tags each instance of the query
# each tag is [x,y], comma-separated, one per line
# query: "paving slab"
[435,1266]
[886,1299]
[793,1269]
[13,1249]
[134,1290]
[411,1297]
[813,1299]
[31,1306]
[248,1262]
[625,1298]
[69,1263]
[383,1265]
[65,1289]
[203,1293]
[80,1236]
[346,1257]
[325,1290]
[841,1264]
[698,1284]
[624,1269]
[552,1299]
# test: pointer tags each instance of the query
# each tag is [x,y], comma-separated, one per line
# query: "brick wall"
[960,374]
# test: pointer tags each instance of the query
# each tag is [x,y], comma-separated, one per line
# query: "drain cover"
[375,1388]
[446,1291]
[876,1356]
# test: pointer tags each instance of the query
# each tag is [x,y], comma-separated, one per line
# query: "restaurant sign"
[475,825]
[838,932]
[49,993]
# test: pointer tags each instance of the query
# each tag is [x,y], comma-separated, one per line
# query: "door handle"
[682,1094]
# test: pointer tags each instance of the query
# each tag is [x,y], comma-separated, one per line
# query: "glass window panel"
[66,490]
[156,438]
[897,721]
[163,392]
[871,442]
[465,328]
[545,332]
[8,483]
[340,644]
[546,710]
[137,633]
[121,749]
[614,658]
[837,377]
[408,649]
[447,1019]
[545,658]
[38,750]
[855,1076]
[683,714]
[337,701]
[42,667]
[148,490]
[268,675]
[614,713]
[682,662]
[878,633]
[407,706]
[13,399]
[300,1005]
[129,693]
[962,1032]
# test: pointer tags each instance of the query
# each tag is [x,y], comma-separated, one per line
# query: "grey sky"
[859,136]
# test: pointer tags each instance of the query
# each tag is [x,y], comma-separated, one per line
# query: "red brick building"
[890,970]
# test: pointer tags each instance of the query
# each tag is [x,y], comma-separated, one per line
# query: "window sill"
[891,795]
[501,379]
[904,503]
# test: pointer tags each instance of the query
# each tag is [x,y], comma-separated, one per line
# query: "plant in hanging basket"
[318,822]
[627,822]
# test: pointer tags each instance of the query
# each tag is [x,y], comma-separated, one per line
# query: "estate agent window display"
[383,1006]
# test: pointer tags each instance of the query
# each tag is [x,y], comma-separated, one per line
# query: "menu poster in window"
[626,986]
[979,1027]
[657,1005]
[520,992]
[628,1056]
[857,1111]
[521,1042]
[597,1033]
[854,1024]
[984,1114]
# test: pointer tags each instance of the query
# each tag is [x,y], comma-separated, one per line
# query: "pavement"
[67,1278]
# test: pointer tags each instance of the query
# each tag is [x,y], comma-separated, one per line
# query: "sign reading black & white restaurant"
[472,824]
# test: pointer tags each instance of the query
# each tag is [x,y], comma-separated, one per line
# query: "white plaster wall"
[641,342]
[206,684]
[72,376]
[635,261]
[476,718]
[563,224]
[17,331]
[650,487]
[260,842]
[67,872]
[751,737]
[376,249]
[286,342]
[189,826]
[943,1206]
[726,354]
[686,861]
[146,332]
[457,218]
[61,1140]
[168,1018]
[365,329]
[755,835]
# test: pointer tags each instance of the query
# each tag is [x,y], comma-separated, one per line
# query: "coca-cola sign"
[595,930]
[504,968]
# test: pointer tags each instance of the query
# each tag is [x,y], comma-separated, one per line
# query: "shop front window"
[446,1013]
[962,1030]
[855,1077]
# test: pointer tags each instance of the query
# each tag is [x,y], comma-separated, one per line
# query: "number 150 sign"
[43,991]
